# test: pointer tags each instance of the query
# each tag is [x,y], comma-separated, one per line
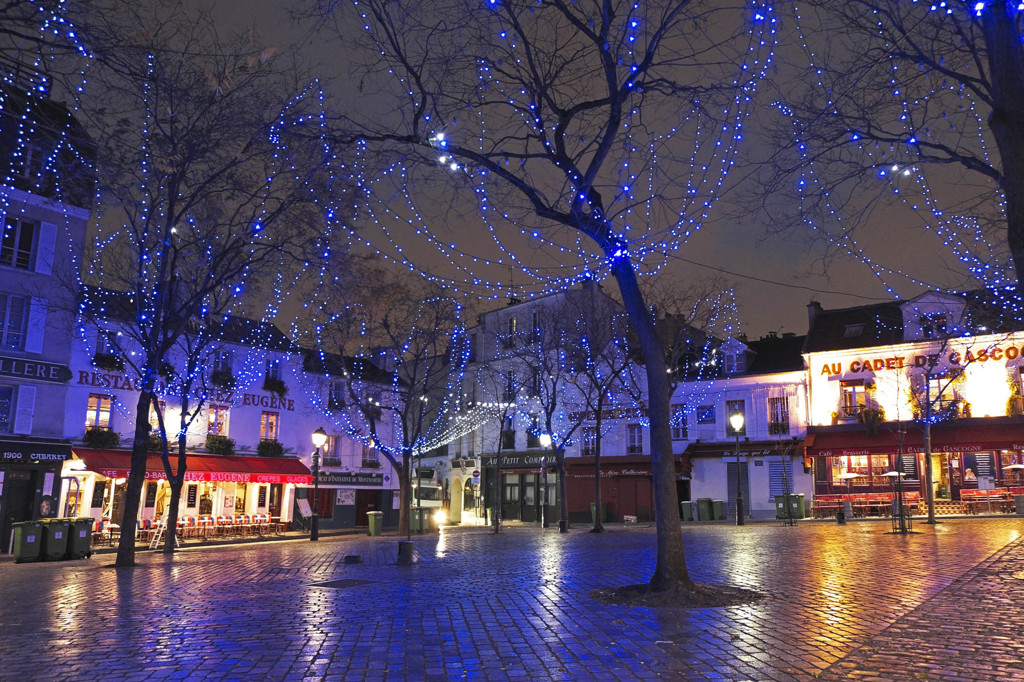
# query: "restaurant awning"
[227,468]
[962,435]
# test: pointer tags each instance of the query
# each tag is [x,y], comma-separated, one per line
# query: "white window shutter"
[46,249]
[36,326]
[26,408]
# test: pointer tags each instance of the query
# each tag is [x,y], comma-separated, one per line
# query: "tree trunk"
[598,524]
[670,567]
[1002,38]
[136,477]
[929,489]
[563,503]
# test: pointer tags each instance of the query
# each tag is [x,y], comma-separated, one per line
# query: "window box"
[370,464]
[276,386]
[223,378]
[219,445]
[108,361]
[101,438]
[270,448]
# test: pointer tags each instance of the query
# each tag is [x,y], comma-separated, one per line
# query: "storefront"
[30,483]
[626,486]
[346,498]
[215,485]
[967,455]
[527,479]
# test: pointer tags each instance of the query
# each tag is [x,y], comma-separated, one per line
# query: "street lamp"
[545,442]
[736,421]
[319,438]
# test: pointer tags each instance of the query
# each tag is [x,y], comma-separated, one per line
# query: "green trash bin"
[718,509]
[781,511]
[796,504]
[376,522]
[604,512]
[417,519]
[705,511]
[687,508]
[80,538]
[55,539]
[28,541]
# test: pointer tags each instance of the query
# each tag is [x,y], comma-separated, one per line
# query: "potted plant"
[110,362]
[223,378]
[101,438]
[219,445]
[270,448]
[276,386]
[872,418]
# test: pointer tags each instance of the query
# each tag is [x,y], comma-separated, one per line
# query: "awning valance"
[748,448]
[963,435]
[227,468]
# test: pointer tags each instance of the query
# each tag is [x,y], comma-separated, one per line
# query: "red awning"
[229,468]
[959,436]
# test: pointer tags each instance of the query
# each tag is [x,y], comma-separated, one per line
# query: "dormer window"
[933,325]
[735,363]
[853,330]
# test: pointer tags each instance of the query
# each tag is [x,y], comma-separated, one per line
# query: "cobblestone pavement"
[840,602]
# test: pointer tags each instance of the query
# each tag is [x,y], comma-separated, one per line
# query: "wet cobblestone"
[841,602]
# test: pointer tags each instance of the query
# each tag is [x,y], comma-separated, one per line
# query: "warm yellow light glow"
[736,421]
[440,516]
[319,438]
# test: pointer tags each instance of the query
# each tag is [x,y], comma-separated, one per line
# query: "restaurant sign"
[20,368]
[26,452]
[518,460]
[355,478]
[215,476]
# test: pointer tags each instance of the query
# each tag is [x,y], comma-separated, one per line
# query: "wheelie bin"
[80,538]
[55,539]
[28,541]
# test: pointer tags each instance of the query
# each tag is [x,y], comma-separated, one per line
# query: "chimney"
[813,310]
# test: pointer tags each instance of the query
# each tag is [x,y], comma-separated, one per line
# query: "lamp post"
[736,422]
[545,442]
[319,438]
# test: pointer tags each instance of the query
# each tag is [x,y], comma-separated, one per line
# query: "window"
[853,330]
[511,328]
[14,312]
[706,414]
[217,420]
[853,398]
[588,443]
[222,361]
[735,407]
[535,382]
[18,244]
[533,432]
[634,439]
[273,369]
[510,387]
[336,395]
[678,422]
[106,342]
[933,325]
[941,393]
[98,413]
[6,408]
[508,435]
[536,326]
[269,425]
[735,363]
[329,452]
[778,416]
[154,420]
[474,352]
[370,456]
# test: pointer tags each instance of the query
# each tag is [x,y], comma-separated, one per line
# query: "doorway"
[20,491]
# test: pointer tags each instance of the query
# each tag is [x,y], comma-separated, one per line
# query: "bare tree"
[404,354]
[593,134]
[207,191]
[910,104]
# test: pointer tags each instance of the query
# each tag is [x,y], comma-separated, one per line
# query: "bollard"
[841,518]
[404,552]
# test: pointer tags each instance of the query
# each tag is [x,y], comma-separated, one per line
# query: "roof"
[880,324]
[337,365]
[776,354]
